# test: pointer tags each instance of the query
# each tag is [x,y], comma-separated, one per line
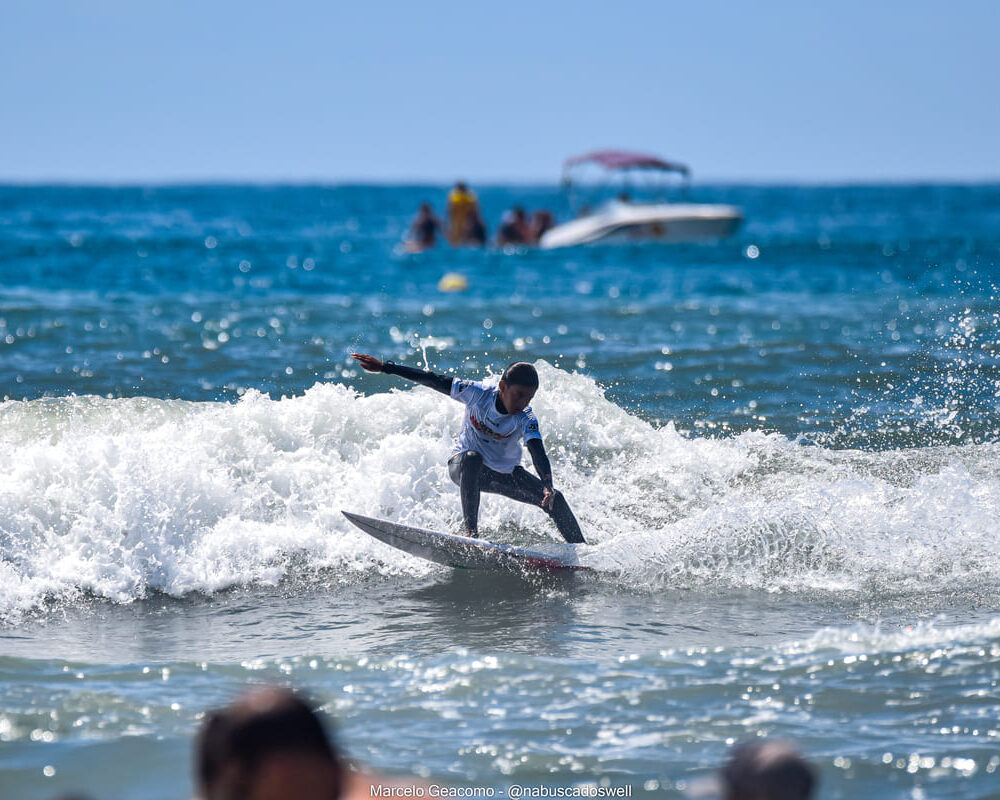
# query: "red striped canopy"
[622,159]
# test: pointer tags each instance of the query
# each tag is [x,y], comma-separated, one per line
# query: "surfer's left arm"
[541,461]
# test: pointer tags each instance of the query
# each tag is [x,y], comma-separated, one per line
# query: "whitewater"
[121,498]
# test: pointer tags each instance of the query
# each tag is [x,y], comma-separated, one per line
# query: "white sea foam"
[120,497]
[934,635]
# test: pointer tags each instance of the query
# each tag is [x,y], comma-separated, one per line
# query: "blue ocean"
[782,448]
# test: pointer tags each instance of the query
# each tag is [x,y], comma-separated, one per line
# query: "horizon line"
[220,181]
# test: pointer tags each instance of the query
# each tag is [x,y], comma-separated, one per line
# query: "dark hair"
[520,373]
[259,724]
[770,770]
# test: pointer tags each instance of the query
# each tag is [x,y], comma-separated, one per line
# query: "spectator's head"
[267,745]
[767,770]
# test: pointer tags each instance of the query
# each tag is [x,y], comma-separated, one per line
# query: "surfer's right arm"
[441,383]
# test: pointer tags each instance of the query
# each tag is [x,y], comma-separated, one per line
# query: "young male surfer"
[487,455]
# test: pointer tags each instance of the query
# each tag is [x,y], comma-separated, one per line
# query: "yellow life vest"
[461,206]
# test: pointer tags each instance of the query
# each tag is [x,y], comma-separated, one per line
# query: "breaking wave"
[117,498]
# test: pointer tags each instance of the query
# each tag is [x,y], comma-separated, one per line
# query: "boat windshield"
[606,179]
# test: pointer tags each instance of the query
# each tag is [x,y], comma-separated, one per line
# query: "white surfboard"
[463,551]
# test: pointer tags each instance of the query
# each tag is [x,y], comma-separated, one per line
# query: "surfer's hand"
[369,363]
[547,497]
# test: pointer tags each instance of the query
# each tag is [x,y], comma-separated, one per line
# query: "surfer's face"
[515,398]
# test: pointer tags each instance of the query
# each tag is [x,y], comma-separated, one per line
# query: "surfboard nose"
[367,524]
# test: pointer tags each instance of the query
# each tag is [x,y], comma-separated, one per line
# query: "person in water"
[541,221]
[476,233]
[514,228]
[425,228]
[269,744]
[767,770]
[464,217]
[487,455]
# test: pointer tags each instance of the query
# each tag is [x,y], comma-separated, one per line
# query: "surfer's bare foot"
[471,534]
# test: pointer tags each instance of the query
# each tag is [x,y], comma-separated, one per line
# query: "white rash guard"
[496,437]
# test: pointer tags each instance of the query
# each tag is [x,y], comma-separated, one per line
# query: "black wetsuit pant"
[473,476]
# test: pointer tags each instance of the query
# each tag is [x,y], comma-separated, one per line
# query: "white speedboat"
[624,220]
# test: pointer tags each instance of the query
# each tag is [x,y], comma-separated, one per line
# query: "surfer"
[487,455]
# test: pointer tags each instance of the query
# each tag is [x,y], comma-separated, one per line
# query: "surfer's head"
[518,385]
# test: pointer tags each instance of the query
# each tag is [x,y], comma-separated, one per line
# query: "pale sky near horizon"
[127,91]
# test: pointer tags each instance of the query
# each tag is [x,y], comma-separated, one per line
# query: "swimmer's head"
[767,769]
[269,743]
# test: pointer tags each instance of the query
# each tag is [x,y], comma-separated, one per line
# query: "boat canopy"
[623,160]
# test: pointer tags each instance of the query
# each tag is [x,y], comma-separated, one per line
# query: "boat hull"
[637,223]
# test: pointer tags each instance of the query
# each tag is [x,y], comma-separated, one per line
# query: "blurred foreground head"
[770,770]
[269,744]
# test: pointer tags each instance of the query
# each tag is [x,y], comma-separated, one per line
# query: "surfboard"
[464,552]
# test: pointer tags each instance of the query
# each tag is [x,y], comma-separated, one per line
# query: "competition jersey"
[495,436]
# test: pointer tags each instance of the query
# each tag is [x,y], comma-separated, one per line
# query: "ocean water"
[782,448]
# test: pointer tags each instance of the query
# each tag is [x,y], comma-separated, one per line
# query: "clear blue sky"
[136,90]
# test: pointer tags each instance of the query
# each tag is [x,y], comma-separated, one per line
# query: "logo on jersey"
[481,427]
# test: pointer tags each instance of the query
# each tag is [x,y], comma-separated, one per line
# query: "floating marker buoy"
[453,282]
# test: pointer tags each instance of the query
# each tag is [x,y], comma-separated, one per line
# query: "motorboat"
[624,219]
